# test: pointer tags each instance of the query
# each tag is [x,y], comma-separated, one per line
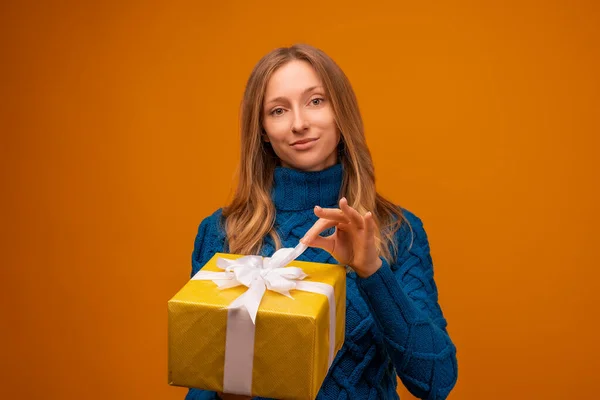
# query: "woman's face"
[298,118]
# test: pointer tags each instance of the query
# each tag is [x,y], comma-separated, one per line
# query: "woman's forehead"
[294,78]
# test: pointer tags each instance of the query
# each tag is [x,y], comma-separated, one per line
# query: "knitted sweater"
[394,324]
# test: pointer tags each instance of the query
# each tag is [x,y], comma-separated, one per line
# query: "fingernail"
[317,208]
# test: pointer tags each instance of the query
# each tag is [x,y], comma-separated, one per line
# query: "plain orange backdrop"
[119,126]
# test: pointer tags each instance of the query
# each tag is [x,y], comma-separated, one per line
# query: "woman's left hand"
[352,243]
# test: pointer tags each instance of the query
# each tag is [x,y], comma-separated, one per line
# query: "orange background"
[119,134]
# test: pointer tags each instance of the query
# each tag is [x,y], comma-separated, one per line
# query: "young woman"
[306,171]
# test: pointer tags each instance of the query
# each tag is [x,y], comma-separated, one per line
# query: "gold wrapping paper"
[291,344]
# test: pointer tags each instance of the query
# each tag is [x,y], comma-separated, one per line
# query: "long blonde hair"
[251,214]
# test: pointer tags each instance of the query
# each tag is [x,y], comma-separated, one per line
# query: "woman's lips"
[304,144]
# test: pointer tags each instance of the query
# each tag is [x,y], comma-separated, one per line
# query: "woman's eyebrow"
[281,98]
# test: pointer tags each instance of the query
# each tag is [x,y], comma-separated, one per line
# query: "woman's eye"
[316,102]
[277,111]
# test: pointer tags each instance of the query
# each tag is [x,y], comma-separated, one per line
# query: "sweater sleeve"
[403,299]
[210,239]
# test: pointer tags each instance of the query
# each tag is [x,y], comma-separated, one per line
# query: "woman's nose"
[300,122]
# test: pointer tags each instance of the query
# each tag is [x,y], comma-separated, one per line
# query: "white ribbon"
[259,274]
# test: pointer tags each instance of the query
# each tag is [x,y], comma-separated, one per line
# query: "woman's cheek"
[281,125]
[324,118]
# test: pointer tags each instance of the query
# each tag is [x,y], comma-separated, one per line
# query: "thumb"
[325,243]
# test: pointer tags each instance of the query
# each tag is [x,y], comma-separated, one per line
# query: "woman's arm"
[208,242]
[403,299]
[402,296]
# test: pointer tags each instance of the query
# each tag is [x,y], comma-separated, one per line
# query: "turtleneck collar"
[295,190]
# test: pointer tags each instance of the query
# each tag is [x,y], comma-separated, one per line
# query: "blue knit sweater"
[394,324]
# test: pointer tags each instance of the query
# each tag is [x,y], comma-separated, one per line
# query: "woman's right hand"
[227,396]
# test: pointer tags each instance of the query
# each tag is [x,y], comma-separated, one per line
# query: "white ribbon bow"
[259,274]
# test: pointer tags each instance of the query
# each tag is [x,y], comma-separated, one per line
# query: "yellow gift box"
[286,352]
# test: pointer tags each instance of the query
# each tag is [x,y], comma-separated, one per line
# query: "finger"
[319,226]
[352,214]
[334,214]
[371,226]
[344,227]
[325,243]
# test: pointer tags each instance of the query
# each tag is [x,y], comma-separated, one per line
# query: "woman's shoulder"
[411,217]
[408,222]
[411,236]
[210,239]
[213,224]
[214,217]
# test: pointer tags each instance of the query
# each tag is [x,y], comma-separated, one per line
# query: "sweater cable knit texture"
[394,324]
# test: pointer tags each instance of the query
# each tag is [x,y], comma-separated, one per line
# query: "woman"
[305,169]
